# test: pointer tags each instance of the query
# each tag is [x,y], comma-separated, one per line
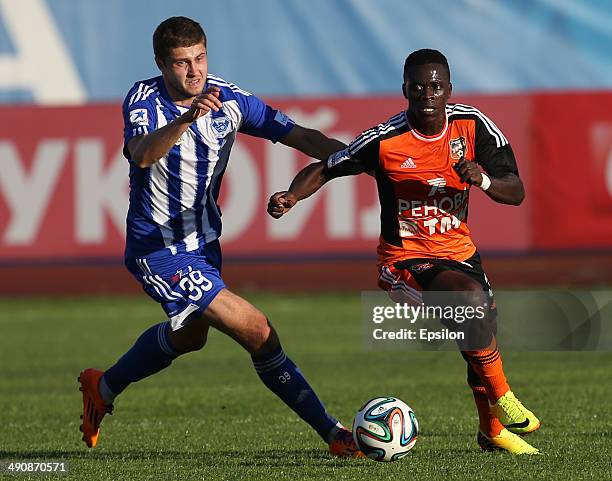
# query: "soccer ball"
[385,429]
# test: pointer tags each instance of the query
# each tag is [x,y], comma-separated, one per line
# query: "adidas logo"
[408,164]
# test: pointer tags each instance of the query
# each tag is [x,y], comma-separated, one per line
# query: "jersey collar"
[427,138]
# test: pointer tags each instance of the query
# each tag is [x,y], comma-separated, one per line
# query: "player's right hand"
[204,103]
[280,203]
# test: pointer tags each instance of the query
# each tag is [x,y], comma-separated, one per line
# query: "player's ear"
[450,89]
[159,62]
[405,90]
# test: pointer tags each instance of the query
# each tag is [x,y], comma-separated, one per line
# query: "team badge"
[419,268]
[457,148]
[139,117]
[221,125]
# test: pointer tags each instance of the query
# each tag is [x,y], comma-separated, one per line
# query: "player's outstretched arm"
[147,149]
[311,142]
[507,189]
[310,179]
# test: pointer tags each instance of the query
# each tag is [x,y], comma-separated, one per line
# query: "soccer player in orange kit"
[425,160]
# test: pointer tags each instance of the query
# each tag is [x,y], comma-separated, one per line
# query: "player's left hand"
[468,172]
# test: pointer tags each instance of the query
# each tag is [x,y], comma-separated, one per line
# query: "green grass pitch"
[209,417]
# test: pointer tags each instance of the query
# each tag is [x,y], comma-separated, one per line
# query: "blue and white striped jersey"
[173,203]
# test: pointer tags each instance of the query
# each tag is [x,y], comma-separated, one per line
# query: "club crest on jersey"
[221,125]
[139,117]
[418,268]
[457,147]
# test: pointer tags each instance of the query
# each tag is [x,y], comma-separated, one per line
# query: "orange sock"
[488,365]
[488,423]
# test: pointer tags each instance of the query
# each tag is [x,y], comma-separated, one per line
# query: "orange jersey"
[424,204]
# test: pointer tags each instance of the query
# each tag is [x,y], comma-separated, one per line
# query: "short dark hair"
[424,57]
[176,32]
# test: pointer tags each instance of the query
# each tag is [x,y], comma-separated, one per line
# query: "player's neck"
[427,126]
[183,102]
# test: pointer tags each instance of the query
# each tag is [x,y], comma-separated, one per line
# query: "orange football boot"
[343,445]
[94,407]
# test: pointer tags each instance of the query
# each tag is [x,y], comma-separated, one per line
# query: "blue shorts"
[183,283]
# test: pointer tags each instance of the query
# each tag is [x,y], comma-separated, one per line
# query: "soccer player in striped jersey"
[425,160]
[179,130]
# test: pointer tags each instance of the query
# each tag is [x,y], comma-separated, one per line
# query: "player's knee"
[473,295]
[481,326]
[259,332]
[190,343]
[190,338]
[198,341]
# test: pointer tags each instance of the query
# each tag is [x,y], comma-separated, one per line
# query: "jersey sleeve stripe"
[374,130]
[491,127]
[211,79]
[500,139]
[218,83]
[142,93]
[149,92]
[133,97]
[366,137]
[214,77]
[232,87]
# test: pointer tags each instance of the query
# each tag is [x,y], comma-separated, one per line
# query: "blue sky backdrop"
[334,47]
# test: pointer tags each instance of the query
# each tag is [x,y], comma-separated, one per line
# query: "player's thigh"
[462,291]
[239,319]
[455,281]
